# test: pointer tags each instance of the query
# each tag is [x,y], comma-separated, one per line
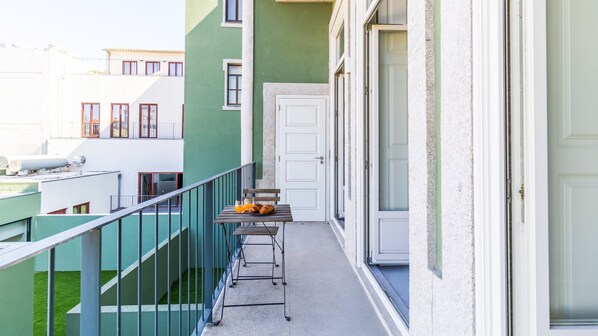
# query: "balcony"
[167,271]
[132,130]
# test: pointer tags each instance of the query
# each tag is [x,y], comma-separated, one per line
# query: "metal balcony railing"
[119,202]
[118,130]
[205,254]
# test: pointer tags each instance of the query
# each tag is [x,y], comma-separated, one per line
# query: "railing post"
[208,249]
[253,172]
[91,261]
[239,184]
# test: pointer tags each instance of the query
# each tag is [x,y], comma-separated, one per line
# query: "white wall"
[129,156]
[65,193]
[29,90]
[167,92]
[116,58]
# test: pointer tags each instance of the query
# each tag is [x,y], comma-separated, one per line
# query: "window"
[151,68]
[175,69]
[233,11]
[81,209]
[58,212]
[153,184]
[232,84]
[148,120]
[90,126]
[129,67]
[120,121]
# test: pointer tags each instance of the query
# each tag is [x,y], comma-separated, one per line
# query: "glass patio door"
[389,166]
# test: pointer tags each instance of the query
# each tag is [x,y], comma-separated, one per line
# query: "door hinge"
[278,107]
[369,257]
[278,158]
[509,192]
[522,192]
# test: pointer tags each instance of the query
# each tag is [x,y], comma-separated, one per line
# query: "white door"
[557,233]
[389,167]
[301,155]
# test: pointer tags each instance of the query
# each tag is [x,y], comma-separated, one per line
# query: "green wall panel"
[16,300]
[212,135]
[20,206]
[291,46]
[68,255]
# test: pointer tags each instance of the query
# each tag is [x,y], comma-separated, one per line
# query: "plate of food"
[256,209]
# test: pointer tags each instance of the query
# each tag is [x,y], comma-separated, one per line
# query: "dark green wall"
[291,46]
[212,136]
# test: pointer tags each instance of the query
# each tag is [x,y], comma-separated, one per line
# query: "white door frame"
[374,115]
[326,146]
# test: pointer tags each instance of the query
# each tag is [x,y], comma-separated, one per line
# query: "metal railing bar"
[189,265]
[168,263]
[118,275]
[196,254]
[139,258]
[156,272]
[51,285]
[14,257]
[180,269]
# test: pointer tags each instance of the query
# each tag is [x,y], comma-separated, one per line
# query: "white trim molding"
[489,129]
[247,84]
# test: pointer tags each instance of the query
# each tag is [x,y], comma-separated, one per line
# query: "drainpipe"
[247,84]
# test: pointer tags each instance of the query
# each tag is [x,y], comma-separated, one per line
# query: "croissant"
[266,209]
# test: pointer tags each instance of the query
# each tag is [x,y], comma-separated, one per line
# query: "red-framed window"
[81,209]
[120,121]
[58,212]
[234,11]
[175,69]
[129,67]
[148,120]
[90,120]
[233,84]
[151,68]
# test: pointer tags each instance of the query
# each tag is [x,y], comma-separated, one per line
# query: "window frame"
[141,136]
[226,22]
[175,70]
[91,121]
[130,67]
[226,64]
[153,68]
[120,120]
[58,212]
[77,209]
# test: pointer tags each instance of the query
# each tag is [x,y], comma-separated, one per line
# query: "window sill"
[231,108]
[231,24]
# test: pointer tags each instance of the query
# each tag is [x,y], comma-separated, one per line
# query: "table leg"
[228,254]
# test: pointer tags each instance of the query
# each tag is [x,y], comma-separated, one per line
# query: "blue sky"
[85,27]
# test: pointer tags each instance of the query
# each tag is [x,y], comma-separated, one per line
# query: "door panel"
[300,142]
[389,173]
[572,161]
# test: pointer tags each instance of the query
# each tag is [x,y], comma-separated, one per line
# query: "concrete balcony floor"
[324,295]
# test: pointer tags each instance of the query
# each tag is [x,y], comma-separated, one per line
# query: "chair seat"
[256,231]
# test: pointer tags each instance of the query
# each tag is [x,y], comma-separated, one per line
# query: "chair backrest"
[263,195]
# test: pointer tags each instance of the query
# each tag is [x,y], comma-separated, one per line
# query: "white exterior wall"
[441,305]
[129,156]
[167,92]
[65,193]
[29,91]
[115,59]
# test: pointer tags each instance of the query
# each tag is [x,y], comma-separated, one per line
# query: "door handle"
[321,158]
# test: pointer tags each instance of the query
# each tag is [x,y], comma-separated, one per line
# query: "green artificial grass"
[196,292]
[67,292]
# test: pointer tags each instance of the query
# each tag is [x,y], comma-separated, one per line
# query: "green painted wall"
[68,255]
[19,206]
[16,300]
[291,46]
[212,135]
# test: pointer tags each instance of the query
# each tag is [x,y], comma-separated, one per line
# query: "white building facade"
[126,116]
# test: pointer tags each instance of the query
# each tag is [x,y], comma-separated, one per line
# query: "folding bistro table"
[282,214]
